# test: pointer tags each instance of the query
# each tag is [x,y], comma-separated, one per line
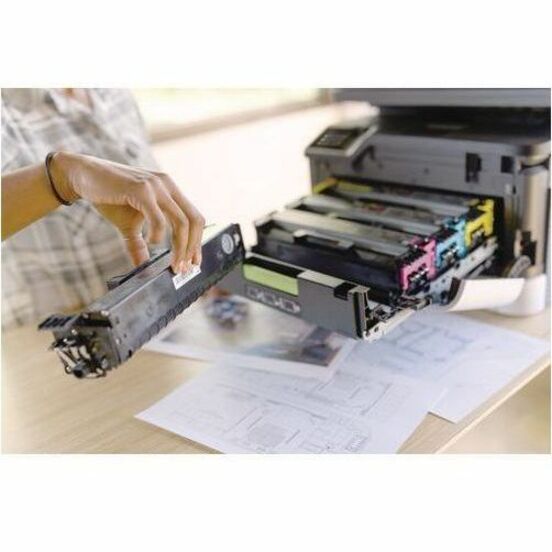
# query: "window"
[174,112]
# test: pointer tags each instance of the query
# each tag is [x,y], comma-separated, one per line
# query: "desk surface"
[44,410]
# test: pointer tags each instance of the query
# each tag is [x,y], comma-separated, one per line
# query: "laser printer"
[439,199]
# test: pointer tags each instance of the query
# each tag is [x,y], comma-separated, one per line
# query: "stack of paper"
[371,399]
[233,409]
[472,360]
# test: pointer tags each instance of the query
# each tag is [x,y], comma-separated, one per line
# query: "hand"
[128,197]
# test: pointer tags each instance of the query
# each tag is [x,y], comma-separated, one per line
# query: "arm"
[126,196]
[26,197]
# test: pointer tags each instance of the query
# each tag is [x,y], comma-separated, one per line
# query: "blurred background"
[235,147]
[241,151]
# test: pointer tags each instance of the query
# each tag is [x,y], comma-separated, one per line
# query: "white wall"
[240,173]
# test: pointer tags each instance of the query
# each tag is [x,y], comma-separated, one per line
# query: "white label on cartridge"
[180,279]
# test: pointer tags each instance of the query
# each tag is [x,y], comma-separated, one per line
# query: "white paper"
[473,360]
[240,410]
[485,293]
[265,339]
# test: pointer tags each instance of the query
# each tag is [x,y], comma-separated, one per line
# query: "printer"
[440,199]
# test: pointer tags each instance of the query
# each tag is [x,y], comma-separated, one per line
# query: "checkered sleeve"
[11,148]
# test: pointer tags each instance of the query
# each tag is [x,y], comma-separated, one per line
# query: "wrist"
[60,171]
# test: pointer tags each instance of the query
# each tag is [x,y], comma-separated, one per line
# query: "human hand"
[128,197]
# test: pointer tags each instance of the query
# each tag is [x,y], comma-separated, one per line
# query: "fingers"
[196,259]
[137,248]
[154,216]
[197,222]
[180,234]
[161,200]
[195,219]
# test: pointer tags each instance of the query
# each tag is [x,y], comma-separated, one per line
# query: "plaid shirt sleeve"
[62,261]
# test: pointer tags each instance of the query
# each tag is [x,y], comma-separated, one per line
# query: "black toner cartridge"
[413,256]
[448,232]
[339,257]
[138,306]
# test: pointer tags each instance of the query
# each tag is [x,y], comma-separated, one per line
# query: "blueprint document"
[473,360]
[242,410]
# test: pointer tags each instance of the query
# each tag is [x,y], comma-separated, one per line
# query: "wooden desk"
[44,410]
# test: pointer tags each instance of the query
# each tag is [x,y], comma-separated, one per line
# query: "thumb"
[137,248]
[129,222]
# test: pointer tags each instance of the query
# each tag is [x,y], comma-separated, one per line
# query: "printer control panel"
[337,138]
